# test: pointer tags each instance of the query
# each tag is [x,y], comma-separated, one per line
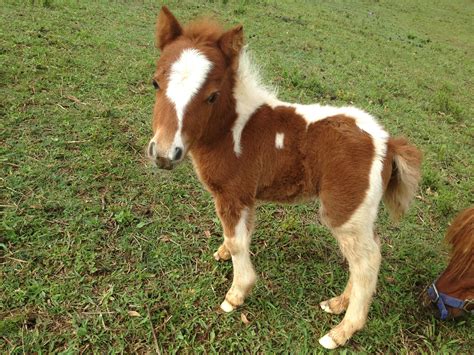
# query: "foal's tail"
[406,174]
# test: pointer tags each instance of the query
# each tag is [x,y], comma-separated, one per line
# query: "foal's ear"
[167,28]
[232,41]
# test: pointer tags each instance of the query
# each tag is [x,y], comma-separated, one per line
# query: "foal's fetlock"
[335,338]
[329,342]
[340,334]
[222,253]
[335,305]
[233,299]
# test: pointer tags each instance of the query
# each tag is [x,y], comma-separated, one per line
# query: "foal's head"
[192,84]
[457,280]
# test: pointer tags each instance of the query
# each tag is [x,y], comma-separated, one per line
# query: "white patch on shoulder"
[279,140]
[188,74]
[250,94]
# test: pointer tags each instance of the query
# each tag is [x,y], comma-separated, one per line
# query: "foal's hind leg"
[339,304]
[363,254]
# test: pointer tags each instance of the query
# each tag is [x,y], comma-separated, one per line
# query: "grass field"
[99,252]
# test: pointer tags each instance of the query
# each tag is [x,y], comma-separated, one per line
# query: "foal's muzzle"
[163,162]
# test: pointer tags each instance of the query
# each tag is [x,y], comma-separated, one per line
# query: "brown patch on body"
[345,155]
[330,158]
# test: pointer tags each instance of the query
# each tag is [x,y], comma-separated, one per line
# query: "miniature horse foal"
[246,145]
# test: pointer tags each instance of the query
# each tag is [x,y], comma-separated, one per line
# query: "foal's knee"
[233,245]
[237,243]
[363,255]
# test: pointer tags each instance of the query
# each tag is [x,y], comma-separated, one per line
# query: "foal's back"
[296,159]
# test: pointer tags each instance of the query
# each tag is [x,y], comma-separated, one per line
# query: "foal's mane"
[461,237]
[249,86]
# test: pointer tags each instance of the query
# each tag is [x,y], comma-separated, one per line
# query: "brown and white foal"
[246,146]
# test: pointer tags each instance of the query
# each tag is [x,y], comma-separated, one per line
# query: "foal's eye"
[155,84]
[213,97]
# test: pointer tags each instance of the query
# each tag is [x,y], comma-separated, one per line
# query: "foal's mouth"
[163,163]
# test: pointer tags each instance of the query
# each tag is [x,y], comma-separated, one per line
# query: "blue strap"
[452,301]
[442,300]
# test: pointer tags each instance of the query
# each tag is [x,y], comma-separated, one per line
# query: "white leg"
[339,304]
[244,274]
[363,255]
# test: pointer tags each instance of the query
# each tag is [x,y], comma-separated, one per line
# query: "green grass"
[90,233]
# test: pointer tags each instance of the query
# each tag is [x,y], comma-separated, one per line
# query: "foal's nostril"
[151,149]
[178,152]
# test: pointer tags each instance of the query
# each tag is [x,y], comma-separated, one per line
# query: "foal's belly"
[279,194]
[288,187]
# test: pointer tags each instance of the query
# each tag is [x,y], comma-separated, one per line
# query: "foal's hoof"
[327,342]
[325,307]
[222,254]
[233,299]
[335,305]
[227,307]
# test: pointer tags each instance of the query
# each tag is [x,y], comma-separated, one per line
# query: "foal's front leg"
[237,225]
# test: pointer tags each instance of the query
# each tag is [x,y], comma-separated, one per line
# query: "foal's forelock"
[186,78]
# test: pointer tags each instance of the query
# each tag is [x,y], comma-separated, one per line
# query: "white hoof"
[327,342]
[216,256]
[227,307]
[325,307]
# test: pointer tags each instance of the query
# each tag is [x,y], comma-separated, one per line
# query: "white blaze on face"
[187,76]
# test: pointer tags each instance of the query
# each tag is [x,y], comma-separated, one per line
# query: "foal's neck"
[242,94]
[247,93]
